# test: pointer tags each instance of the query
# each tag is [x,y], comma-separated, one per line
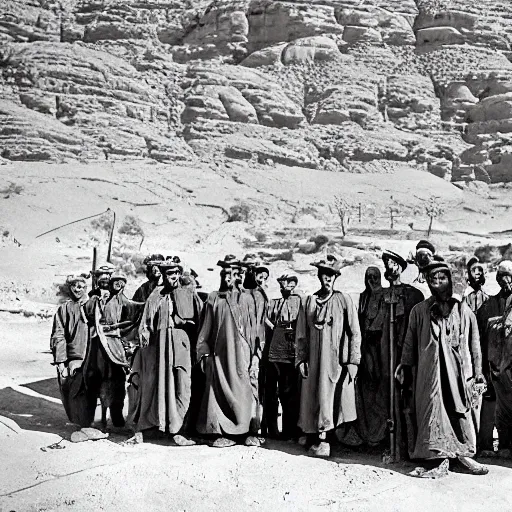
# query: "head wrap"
[390,255]
[471,262]
[75,278]
[288,277]
[229,261]
[505,268]
[118,276]
[425,244]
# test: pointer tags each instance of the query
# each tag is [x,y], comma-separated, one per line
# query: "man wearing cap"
[112,320]
[101,281]
[328,342]
[226,351]
[279,359]
[441,360]
[476,279]
[153,276]
[490,323]
[69,344]
[404,297]
[167,332]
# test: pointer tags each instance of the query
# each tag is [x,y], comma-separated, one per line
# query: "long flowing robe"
[499,357]
[144,291]
[226,339]
[475,299]
[169,327]
[372,390]
[328,338]
[69,342]
[444,353]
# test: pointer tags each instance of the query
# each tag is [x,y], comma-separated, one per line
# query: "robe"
[70,342]
[226,339]
[327,394]
[144,291]
[169,328]
[475,299]
[444,353]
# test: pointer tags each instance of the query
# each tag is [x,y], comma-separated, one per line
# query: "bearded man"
[476,280]
[153,276]
[279,359]
[488,315]
[167,332]
[328,352]
[69,345]
[227,353]
[442,361]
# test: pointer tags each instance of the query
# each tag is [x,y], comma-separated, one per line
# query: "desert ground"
[185,211]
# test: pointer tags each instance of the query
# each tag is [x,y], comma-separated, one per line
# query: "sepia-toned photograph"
[255,255]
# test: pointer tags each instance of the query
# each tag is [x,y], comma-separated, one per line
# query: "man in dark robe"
[167,332]
[281,379]
[153,276]
[487,315]
[226,351]
[112,318]
[476,280]
[69,344]
[441,359]
[404,297]
[372,391]
[328,352]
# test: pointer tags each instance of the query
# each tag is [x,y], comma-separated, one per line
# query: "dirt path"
[103,475]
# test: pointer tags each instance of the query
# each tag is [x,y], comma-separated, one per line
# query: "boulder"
[355,34]
[439,35]
[310,49]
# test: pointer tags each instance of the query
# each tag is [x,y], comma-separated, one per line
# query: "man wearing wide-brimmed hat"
[279,359]
[69,344]
[404,297]
[328,353]
[153,276]
[167,332]
[112,321]
[226,351]
[490,324]
[442,361]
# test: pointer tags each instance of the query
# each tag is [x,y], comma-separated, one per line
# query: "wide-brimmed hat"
[425,244]
[330,266]
[390,255]
[170,263]
[229,261]
[118,276]
[75,278]
[106,268]
[287,277]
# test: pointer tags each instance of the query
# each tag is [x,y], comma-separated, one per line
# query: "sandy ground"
[103,475]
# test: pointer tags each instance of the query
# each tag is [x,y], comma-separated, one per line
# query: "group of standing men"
[218,365]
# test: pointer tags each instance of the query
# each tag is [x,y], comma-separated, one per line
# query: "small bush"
[13,188]
[131,227]
[102,223]
[319,240]
[239,213]
[260,236]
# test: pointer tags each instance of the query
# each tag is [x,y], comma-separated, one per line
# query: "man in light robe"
[328,352]
[167,334]
[476,280]
[69,344]
[405,297]
[153,276]
[281,379]
[227,353]
[441,360]
[487,315]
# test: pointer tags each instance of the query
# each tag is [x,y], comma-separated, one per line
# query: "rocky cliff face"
[341,85]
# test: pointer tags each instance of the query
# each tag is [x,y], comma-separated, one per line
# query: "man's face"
[393,269]
[117,285]
[288,284]
[239,275]
[423,257]
[477,275]
[103,281]
[77,289]
[155,273]
[374,279]
[327,281]
[439,282]
[505,282]
[172,277]
[261,278]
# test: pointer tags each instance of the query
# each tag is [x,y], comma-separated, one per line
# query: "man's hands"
[304,369]
[70,369]
[480,379]
[73,366]
[352,371]
[203,362]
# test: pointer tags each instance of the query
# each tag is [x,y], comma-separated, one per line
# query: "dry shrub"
[239,212]
[102,223]
[131,227]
